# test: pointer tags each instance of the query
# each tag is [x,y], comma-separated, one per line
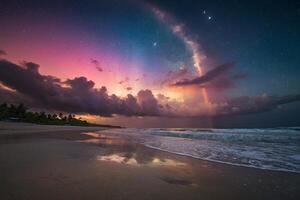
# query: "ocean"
[270,149]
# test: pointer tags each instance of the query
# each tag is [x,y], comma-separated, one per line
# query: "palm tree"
[70,118]
[54,116]
[21,110]
[3,111]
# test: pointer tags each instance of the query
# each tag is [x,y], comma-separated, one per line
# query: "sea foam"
[272,149]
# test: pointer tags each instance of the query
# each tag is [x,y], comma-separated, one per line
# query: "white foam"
[272,149]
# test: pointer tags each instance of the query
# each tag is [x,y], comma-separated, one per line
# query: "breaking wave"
[272,149]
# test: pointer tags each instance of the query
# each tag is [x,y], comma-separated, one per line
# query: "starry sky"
[155,63]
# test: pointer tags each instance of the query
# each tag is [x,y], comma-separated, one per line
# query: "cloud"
[148,103]
[80,84]
[24,83]
[3,53]
[12,96]
[99,69]
[209,76]
[97,65]
[76,95]
[173,76]
[224,82]
[244,105]
[258,104]
[125,81]
[34,68]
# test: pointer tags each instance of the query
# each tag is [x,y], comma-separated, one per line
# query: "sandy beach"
[63,162]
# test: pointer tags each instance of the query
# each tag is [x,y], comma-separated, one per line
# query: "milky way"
[191,44]
[151,58]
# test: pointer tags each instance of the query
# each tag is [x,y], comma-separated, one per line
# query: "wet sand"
[7,128]
[66,164]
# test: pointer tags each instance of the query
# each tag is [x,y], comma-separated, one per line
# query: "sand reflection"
[118,159]
[98,138]
[122,159]
[127,151]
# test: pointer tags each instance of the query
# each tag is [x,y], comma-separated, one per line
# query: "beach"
[64,162]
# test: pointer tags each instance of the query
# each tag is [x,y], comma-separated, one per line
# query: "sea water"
[272,148]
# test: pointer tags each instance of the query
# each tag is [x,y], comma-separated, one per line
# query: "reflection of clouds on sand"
[167,162]
[92,134]
[96,135]
[122,159]
[118,159]
[125,150]
[102,139]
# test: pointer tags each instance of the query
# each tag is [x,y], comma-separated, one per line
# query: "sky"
[154,63]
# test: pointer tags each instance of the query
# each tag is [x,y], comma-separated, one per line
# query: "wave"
[224,162]
[238,135]
[272,149]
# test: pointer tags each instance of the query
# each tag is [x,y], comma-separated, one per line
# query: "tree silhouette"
[20,112]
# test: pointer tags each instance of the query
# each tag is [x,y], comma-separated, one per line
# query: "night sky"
[155,63]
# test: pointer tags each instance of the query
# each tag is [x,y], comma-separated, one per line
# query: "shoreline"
[207,160]
[23,128]
[76,164]
[222,162]
[19,130]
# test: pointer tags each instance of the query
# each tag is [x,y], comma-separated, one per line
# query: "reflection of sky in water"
[99,135]
[125,151]
[98,138]
[94,135]
[119,158]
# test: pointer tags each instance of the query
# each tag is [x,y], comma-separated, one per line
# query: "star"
[155,44]
[209,17]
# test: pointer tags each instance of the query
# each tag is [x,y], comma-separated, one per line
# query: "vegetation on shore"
[20,113]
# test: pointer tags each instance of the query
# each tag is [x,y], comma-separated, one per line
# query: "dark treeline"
[20,113]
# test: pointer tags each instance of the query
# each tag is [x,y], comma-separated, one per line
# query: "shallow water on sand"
[104,165]
[271,149]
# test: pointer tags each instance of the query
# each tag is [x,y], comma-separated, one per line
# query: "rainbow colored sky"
[131,50]
[129,46]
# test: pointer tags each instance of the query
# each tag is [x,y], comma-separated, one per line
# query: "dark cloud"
[249,105]
[130,106]
[125,81]
[80,84]
[76,95]
[2,53]
[209,76]
[224,82]
[12,96]
[27,80]
[148,103]
[219,84]
[24,83]
[97,65]
[173,76]
[99,69]
[34,68]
